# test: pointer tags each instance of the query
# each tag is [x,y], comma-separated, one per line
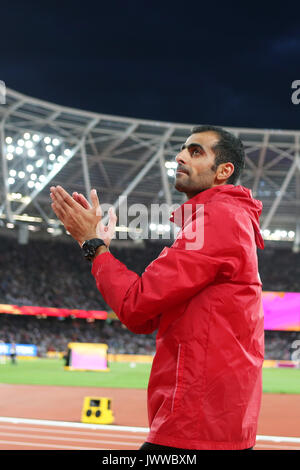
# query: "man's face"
[195,172]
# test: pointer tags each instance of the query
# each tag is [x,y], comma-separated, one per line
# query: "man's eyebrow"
[192,144]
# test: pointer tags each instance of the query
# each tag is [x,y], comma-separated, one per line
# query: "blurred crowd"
[279,270]
[54,334]
[53,273]
[282,345]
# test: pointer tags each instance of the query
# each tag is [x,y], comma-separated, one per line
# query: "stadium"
[48,298]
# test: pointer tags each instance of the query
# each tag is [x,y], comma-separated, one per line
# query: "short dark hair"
[228,149]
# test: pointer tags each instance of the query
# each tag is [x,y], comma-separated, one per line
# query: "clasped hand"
[82,220]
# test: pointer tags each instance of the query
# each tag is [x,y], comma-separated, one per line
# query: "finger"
[112,216]
[94,199]
[59,212]
[96,203]
[81,200]
[112,221]
[64,197]
[84,202]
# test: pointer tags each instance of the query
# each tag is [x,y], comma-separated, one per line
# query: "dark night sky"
[225,64]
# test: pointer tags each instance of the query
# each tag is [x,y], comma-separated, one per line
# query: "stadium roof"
[44,144]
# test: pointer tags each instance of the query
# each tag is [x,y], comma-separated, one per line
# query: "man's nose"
[180,157]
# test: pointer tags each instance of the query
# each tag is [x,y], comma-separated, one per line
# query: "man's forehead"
[207,138]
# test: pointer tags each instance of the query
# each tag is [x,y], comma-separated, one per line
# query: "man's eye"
[195,151]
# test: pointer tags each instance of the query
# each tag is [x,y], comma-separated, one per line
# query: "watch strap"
[89,247]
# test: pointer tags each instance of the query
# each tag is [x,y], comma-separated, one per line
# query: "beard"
[184,184]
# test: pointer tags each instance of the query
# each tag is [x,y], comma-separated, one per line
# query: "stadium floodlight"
[60,159]
[152,227]
[39,163]
[11,181]
[52,156]
[21,174]
[171,172]
[28,144]
[55,142]
[47,140]
[49,148]
[29,168]
[8,140]
[30,184]
[21,142]
[33,176]
[26,136]
[31,153]
[36,138]
[12,173]
[42,178]
[9,156]
[291,234]
[10,148]
[67,152]
[19,150]
[10,225]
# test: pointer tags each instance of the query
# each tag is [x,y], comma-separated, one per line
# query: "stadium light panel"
[19,150]
[31,153]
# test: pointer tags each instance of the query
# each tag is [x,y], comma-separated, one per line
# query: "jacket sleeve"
[173,278]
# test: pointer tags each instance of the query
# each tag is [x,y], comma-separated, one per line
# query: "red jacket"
[205,385]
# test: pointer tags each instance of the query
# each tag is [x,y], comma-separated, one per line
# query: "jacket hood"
[236,195]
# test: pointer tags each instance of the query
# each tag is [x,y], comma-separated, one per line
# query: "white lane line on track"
[77,439]
[66,424]
[278,439]
[52,446]
[132,429]
[97,433]
[278,447]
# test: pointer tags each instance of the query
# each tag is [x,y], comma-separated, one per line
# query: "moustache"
[182,169]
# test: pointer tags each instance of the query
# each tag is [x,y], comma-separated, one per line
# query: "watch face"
[90,246]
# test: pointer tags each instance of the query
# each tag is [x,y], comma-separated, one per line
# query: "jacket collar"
[190,206]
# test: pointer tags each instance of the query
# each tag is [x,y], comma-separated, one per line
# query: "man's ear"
[224,171]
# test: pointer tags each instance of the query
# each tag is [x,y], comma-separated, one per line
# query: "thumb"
[95,202]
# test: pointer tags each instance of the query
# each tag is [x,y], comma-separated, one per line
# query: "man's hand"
[81,219]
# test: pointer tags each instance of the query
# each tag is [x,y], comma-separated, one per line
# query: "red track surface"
[280,416]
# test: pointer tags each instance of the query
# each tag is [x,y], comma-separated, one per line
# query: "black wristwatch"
[89,247]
